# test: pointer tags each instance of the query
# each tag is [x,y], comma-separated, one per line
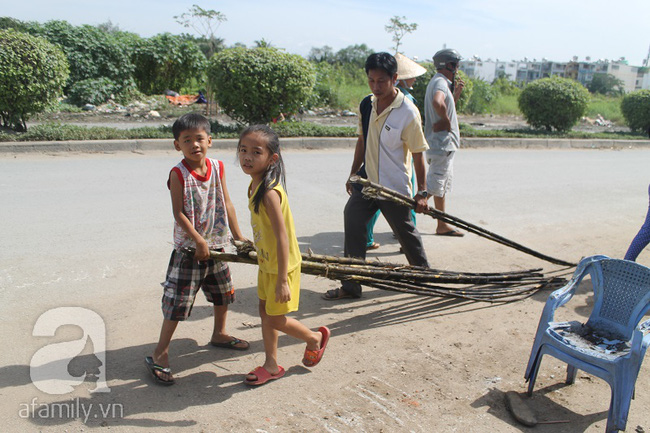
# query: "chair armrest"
[641,337]
[564,294]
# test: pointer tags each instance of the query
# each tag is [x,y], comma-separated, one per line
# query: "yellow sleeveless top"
[264,238]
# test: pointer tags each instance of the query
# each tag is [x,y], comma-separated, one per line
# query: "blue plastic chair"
[612,344]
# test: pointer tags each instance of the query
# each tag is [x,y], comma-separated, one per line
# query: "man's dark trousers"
[358,212]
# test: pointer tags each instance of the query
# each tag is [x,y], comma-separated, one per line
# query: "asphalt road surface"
[95,231]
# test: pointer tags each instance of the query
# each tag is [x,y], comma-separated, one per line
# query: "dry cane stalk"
[501,287]
[374,190]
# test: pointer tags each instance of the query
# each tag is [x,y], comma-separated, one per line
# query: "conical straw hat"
[407,68]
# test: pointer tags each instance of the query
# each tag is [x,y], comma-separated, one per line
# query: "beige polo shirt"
[393,136]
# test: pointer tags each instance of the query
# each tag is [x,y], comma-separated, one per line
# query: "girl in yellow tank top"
[278,256]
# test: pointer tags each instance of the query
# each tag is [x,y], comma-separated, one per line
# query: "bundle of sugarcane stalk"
[374,190]
[488,287]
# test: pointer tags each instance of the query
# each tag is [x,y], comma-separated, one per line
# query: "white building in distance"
[525,71]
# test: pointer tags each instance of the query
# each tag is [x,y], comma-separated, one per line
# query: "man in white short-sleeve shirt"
[390,136]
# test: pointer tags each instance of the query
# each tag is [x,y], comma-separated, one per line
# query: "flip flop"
[373,246]
[155,368]
[232,344]
[452,233]
[313,357]
[263,376]
[336,294]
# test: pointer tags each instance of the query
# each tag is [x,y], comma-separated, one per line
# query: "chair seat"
[590,342]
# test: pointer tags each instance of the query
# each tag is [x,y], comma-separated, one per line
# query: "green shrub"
[506,87]
[167,61]
[636,110]
[482,97]
[32,75]
[91,52]
[553,103]
[91,91]
[256,85]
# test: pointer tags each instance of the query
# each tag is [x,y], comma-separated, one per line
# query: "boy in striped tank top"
[204,219]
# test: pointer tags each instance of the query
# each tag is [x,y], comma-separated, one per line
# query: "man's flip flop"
[313,357]
[155,368]
[373,246]
[263,376]
[452,233]
[336,294]
[232,344]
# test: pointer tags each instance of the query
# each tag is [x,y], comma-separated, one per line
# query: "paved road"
[78,223]
[94,230]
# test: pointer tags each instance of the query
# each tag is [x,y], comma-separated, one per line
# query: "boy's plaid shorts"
[185,276]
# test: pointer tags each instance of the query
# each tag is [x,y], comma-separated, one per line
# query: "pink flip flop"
[263,376]
[313,357]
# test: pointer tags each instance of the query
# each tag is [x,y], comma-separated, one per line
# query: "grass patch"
[467,131]
[607,106]
[350,95]
[505,105]
[67,132]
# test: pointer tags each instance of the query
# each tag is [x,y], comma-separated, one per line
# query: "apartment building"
[525,71]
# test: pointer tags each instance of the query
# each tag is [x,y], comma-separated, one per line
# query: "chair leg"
[571,373]
[619,407]
[532,374]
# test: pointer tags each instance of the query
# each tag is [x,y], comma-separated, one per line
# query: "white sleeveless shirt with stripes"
[204,205]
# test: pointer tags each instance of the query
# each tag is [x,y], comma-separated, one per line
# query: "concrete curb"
[102,146]
[552,143]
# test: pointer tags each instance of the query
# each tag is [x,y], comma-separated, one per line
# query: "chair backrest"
[622,296]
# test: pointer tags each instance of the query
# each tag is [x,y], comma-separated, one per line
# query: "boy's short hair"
[190,121]
[384,61]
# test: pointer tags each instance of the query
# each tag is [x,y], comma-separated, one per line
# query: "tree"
[263,43]
[205,22]
[323,54]
[32,75]
[91,52]
[606,84]
[635,107]
[256,85]
[399,29]
[553,103]
[354,55]
[13,23]
[207,47]
[166,61]
[109,27]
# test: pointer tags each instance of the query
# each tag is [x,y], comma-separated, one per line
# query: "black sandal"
[337,294]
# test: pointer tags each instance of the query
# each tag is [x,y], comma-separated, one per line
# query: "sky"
[556,30]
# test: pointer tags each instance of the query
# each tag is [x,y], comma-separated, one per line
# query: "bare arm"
[230,209]
[176,190]
[356,162]
[420,175]
[440,107]
[273,208]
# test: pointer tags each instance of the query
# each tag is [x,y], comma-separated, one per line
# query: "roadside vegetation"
[103,65]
